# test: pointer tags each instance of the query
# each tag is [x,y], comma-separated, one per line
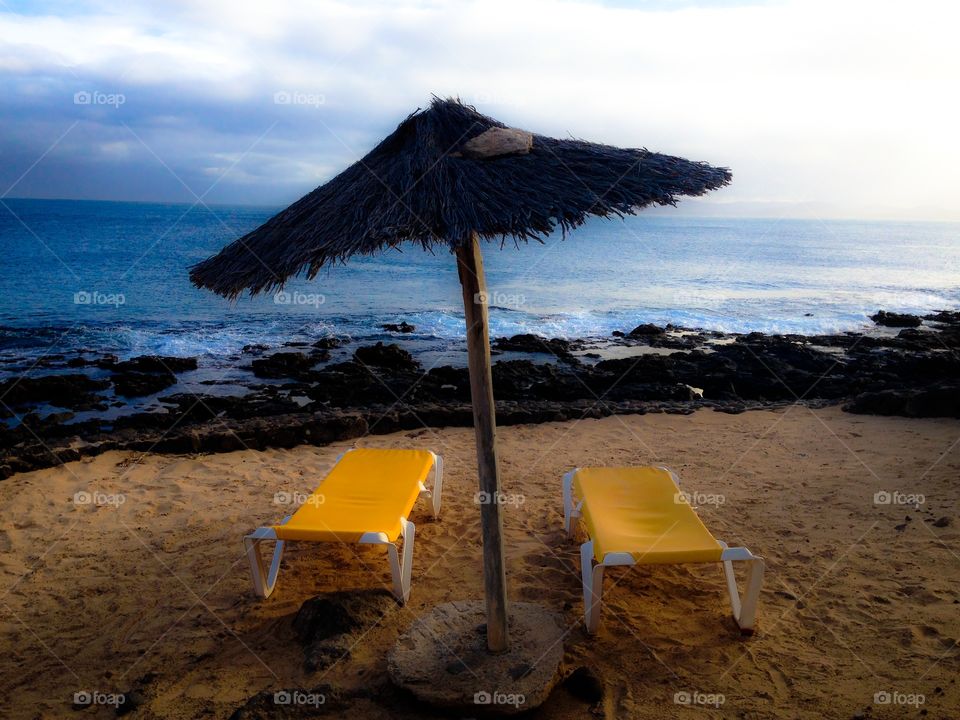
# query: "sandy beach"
[144,588]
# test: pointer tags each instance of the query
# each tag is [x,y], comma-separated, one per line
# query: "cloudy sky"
[830,108]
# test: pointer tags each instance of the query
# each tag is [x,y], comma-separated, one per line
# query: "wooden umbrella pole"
[470,266]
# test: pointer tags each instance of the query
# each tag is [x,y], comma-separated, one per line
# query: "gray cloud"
[811,104]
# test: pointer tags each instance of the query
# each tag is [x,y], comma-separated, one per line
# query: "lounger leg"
[401,567]
[570,511]
[592,587]
[437,488]
[263,581]
[745,611]
[751,595]
[567,501]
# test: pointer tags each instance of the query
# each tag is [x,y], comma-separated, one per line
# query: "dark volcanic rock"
[45,424]
[144,421]
[257,433]
[392,357]
[518,379]
[646,329]
[81,361]
[890,319]
[756,368]
[192,408]
[941,400]
[536,344]
[646,368]
[328,343]
[917,340]
[450,382]
[51,360]
[402,327]
[352,384]
[147,374]
[70,391]
[916,373]
[325,625]
[138,384]
[156,364]
[283,365]
[945,316]
[673,342]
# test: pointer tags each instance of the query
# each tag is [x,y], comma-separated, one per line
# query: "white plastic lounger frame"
[265,580]
[744,609]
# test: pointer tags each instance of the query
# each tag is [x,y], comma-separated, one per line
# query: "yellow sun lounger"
[638,515]
[366,498]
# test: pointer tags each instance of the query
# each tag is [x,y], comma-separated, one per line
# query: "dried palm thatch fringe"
[419,185]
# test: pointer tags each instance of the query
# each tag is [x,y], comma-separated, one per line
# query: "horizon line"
[281,206]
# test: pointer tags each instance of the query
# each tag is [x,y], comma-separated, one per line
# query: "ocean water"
[113,277]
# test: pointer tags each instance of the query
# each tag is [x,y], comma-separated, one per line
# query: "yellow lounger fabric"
[369,490]
[635,510]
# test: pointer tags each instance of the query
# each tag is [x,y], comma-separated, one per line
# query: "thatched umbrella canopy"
[450,176]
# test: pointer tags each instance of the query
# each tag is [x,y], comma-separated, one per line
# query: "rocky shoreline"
[68,407]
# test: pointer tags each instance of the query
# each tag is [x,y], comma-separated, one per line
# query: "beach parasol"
[449,176]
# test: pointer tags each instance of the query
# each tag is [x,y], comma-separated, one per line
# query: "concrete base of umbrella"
[443,659]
